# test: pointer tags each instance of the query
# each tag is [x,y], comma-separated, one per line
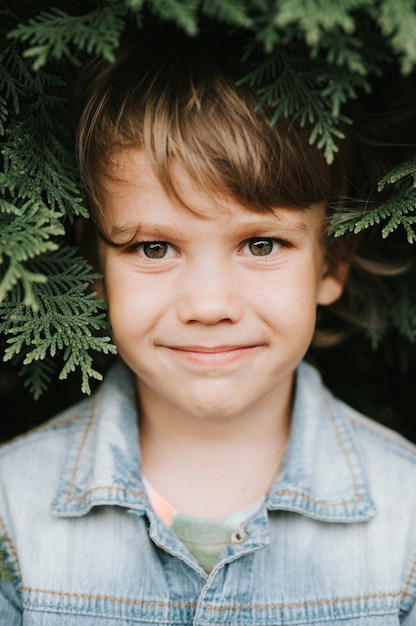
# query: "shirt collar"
[102,464]
[321,477]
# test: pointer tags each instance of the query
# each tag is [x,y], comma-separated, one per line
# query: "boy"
[212,479]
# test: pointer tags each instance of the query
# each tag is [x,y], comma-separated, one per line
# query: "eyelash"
[282,244]
[140,246]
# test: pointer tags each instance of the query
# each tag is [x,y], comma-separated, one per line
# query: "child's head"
[180,101]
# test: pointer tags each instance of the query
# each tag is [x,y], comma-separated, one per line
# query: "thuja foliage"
[319,56]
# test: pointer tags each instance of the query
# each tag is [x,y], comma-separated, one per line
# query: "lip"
[213,356]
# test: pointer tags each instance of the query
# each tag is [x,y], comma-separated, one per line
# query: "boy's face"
[212,309]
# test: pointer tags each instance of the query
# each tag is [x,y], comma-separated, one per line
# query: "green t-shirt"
[205,538]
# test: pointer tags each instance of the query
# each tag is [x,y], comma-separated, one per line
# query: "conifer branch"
[397,21]
[183,14]
[306,92]
[66,320]
[51,33]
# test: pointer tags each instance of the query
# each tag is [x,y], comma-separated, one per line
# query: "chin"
[212,408]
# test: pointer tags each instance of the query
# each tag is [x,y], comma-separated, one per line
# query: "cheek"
[291,309]
[291,295]
[135,303]
[118,295]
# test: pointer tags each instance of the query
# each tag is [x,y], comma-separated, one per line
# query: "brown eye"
[155,249]
[261,247]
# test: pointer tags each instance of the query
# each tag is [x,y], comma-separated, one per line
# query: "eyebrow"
[124,234]
[290,220]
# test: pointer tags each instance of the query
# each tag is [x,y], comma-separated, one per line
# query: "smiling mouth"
[213,356]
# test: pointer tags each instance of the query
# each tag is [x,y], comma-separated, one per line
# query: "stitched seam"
[289,492]
[110,598]
[63,421]
[210,607]
[406,591]
[393,439]
[341,444]
[69,496]
[112,488]
[84,439]
[12,549]
[296,605]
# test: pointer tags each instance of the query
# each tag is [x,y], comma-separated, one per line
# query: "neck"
[212,466]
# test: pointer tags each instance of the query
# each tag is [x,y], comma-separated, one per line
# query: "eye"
[155,249]
[262,246]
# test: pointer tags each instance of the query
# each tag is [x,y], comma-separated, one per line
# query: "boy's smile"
[212,305]
[212,356]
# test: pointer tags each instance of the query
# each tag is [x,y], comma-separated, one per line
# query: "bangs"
[180,101]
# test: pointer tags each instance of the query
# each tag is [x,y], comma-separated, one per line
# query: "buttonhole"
[239,536]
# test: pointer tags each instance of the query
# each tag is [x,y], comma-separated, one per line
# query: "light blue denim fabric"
[335,542]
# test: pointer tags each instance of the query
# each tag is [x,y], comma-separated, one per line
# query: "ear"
[333,278]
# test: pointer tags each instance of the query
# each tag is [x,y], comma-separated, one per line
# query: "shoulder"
[34,466]
[388,460]
[367,432]
[372,435]
[376,458]
[44,444]
[30,468]
[54,428]
[389,463]
[38,453]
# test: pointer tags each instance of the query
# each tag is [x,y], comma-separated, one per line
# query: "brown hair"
[177,97]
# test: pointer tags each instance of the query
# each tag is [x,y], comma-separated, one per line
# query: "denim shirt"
[334,543]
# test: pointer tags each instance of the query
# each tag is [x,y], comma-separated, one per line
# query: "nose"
[209,295]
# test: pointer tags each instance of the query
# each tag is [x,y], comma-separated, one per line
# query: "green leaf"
[307,93]
[55,35]
[403,170]
[182,13]
[231,12]
[396,212]
[68,320]
[397,21]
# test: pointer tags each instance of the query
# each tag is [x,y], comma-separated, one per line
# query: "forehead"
[132,195]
